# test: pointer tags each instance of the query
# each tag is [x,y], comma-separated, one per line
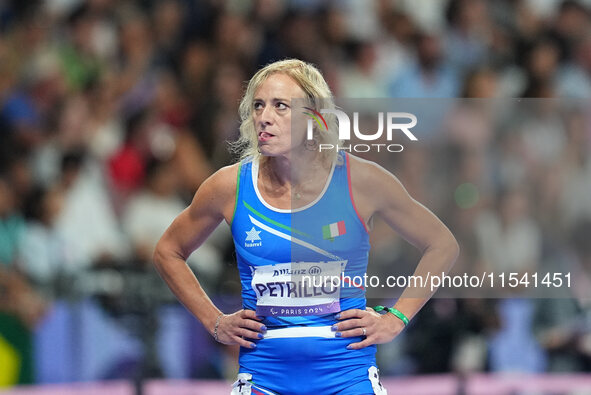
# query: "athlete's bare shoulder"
[225,179]
[368,175]
[363,167]
[217,193]
[373,186]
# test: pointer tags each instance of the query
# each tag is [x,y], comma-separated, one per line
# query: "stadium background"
[113,112]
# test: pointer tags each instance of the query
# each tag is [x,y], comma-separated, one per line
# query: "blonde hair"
[318,94]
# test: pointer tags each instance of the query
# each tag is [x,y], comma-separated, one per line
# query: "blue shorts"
[307,365]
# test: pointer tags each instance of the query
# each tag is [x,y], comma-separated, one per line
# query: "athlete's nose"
[265,116]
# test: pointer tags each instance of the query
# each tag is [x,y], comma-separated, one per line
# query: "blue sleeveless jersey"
[326,231]
[275,249]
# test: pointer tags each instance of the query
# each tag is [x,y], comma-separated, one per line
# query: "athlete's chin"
[267,150]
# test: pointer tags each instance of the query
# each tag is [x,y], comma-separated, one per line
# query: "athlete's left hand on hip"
[376,328]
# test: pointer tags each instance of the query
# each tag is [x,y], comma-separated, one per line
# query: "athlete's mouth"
[264,136]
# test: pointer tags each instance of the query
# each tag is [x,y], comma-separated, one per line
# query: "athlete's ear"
[311,145]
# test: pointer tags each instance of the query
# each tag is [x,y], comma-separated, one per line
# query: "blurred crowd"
[112,113]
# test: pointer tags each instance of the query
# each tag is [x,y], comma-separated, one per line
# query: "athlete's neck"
[295,170]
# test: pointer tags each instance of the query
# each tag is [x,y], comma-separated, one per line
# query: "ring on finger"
[364,331]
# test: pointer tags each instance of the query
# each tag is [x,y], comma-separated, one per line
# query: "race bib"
[298,288]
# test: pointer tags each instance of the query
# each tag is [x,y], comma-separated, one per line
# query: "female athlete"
[295,213]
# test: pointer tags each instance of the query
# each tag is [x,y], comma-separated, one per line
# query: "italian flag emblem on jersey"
[333,230]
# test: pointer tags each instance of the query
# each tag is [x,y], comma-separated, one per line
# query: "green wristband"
[394,311]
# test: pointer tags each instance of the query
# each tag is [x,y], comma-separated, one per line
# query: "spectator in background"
[574,79]
[43,254]
[469,35]
[429,75]
[150,211]
[87,222]
[562,324]
[360,79]
[220,126]
[574,173]
[569,26]
[542,129]
[168,21]
[167,135]
[126,167]
[12,225]
[80,63]
[509,241]
[103,126]
[541,67]
[471,123]
[137,63]
[20,306]
[394,50]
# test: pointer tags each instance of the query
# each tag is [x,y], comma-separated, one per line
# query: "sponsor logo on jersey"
[253,238]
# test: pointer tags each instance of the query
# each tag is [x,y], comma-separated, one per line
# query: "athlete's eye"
[257,105]
[281,106]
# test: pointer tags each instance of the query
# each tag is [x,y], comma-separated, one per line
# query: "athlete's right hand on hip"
[237,327]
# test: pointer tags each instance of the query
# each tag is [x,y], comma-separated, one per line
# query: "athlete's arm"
[212,203]
[378,192]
